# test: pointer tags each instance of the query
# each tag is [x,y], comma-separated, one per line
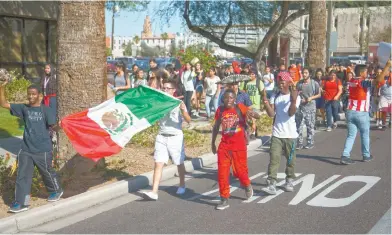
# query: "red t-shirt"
[331,88]
[233,133]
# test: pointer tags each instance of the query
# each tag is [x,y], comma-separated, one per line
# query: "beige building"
[27,36]
[347,23]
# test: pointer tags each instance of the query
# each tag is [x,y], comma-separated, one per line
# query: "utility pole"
[115,9]
[329,23]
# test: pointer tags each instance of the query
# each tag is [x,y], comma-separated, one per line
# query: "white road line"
[233,187]
[383,226]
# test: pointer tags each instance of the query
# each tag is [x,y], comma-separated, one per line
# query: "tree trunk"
[81,61]
[317,36]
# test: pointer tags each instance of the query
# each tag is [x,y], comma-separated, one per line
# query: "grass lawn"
[9,125]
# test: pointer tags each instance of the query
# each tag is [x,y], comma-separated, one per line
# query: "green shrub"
[8,179]
[206,59]
[147,137]
[17,89]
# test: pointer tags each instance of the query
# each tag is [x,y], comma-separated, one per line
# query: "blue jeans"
[214,100]
[357,120]
[332,110]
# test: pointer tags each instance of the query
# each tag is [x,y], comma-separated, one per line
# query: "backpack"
[240,116]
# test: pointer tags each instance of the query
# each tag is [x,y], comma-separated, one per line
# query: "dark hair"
[35,87]
[170,68]
[332,71]
[134,65]
[212,68]
[153,60]
[123,66]
[227,91]
[306,68]
[172,82]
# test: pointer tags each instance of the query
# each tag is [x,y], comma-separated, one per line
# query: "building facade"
[28,36]
[347,23]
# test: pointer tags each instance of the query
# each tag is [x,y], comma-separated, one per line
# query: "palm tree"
[317,37]
[81,61]
[165,37]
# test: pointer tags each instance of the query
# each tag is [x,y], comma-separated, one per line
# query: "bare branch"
[294,16]
[230,23]
[210,36]
[274,29]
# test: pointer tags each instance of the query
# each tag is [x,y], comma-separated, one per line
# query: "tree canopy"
[127,5]
[214,19]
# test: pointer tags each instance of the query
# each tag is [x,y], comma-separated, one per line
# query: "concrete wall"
[348,28]
[34,9]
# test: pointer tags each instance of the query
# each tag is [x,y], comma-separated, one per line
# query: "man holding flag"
[170,142]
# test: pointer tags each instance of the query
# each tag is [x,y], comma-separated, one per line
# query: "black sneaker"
[249,191]
[346,161]
[309,146]
[367,159]
[224,203]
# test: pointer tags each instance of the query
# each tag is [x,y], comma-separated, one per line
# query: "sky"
[131,23]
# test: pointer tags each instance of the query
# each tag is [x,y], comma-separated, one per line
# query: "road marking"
[278,192]
[383,226]
[322,201]
[306,188]
[233,187]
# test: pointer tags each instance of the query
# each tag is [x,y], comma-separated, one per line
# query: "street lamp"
[115,10]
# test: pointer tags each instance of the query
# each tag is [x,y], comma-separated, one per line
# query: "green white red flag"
[104,130]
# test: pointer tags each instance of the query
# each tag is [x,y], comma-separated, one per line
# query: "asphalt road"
[341,199]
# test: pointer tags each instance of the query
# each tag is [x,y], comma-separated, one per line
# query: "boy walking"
[170,141]
[36,149]
[283,107]
[232,150]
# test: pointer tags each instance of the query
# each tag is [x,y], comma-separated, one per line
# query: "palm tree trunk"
[81,61]
[317,36]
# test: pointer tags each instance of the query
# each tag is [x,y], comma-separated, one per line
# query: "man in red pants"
[232,151]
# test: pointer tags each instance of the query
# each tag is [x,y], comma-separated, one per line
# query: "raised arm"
[3,101]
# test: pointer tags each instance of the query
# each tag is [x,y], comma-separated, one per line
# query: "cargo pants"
[278,147]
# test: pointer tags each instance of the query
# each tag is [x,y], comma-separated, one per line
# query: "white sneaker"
[180,190]
[151,195]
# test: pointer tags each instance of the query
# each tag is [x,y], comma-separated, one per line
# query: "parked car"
[111,66]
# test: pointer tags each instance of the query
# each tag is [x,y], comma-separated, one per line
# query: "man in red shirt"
[357,114]
[232,150]
[332,88]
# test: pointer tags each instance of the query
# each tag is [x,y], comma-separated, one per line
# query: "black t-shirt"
[199,82]
[36,138]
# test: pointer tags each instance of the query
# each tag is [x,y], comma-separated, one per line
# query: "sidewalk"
[10,145]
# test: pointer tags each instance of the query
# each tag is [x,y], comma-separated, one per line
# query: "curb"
[65,207]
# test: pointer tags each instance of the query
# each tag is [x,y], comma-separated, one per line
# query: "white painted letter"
[322,201]
[307,187]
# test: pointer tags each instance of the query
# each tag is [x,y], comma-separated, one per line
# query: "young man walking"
[357,115]
[170,143]
[306,115]
[232,150]
[36,148]
[283,107]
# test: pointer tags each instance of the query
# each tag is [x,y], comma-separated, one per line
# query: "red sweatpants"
[239,162]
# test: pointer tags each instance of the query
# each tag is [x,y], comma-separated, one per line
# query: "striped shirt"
[359,95]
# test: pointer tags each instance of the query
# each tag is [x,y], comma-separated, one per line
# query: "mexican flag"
[104,130]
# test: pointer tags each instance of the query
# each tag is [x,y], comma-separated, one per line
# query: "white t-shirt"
[269,86]
[211,85]
[284,126]
[172,123]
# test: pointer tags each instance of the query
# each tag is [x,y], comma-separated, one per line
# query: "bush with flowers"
[206,59]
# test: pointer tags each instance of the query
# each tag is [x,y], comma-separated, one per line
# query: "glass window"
[17,69]
[35,41]
[53,42]
[34,72]
[10,39]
